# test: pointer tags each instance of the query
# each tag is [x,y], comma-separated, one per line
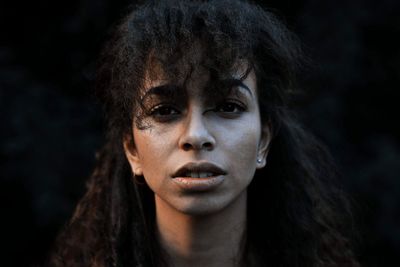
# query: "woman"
[205,164]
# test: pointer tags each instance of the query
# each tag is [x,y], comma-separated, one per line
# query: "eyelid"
[241,106]
[233,100]
[238,101]
[152,110]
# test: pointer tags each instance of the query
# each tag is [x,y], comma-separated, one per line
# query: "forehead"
[193,62]
[198,79]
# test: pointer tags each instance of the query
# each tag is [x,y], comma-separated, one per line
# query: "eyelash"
[237,105]
[155,112]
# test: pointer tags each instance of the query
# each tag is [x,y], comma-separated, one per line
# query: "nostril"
[187,146]
[208,145]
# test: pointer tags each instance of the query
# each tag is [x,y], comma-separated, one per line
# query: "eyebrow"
[165,90]
[239,83]
[168,90]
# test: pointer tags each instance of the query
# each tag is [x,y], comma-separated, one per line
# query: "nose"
[195,134]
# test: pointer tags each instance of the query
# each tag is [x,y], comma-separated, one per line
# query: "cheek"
[151,144]
[240,146]
[244,137]
[246,151]
[153,151]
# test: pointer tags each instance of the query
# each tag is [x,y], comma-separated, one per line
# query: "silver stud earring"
[259,160]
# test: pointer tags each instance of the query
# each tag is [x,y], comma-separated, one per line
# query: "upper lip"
[198,167]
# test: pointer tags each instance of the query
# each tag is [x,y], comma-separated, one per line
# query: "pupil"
[165,111]
[229,107]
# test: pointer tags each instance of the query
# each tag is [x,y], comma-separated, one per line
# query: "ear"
[132,155]
[264,145]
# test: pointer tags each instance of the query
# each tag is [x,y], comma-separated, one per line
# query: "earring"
[137,179]
[259,160]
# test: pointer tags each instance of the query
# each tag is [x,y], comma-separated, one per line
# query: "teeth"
[199,174]
[202,174]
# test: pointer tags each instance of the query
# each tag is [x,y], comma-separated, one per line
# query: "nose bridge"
[196,133]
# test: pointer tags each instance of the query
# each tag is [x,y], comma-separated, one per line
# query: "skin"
[195,128]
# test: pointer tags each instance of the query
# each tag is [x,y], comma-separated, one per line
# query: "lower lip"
[199,184]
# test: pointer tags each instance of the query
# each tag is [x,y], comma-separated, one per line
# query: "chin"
[201,207]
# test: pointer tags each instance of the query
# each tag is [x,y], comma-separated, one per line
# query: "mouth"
[199,170]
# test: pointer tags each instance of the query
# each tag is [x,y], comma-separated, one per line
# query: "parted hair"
[297,213]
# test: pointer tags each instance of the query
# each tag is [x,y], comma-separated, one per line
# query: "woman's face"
[199,153]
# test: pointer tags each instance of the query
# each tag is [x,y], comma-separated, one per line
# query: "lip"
[199,184]
[199,167]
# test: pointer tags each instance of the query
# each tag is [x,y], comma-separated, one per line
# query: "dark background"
[51,126]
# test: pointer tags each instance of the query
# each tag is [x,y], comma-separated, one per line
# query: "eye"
[164,110]
[230,107]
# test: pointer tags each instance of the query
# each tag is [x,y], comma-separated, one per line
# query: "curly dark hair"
[297,214]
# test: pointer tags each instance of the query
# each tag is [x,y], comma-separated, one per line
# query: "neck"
[206,240]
